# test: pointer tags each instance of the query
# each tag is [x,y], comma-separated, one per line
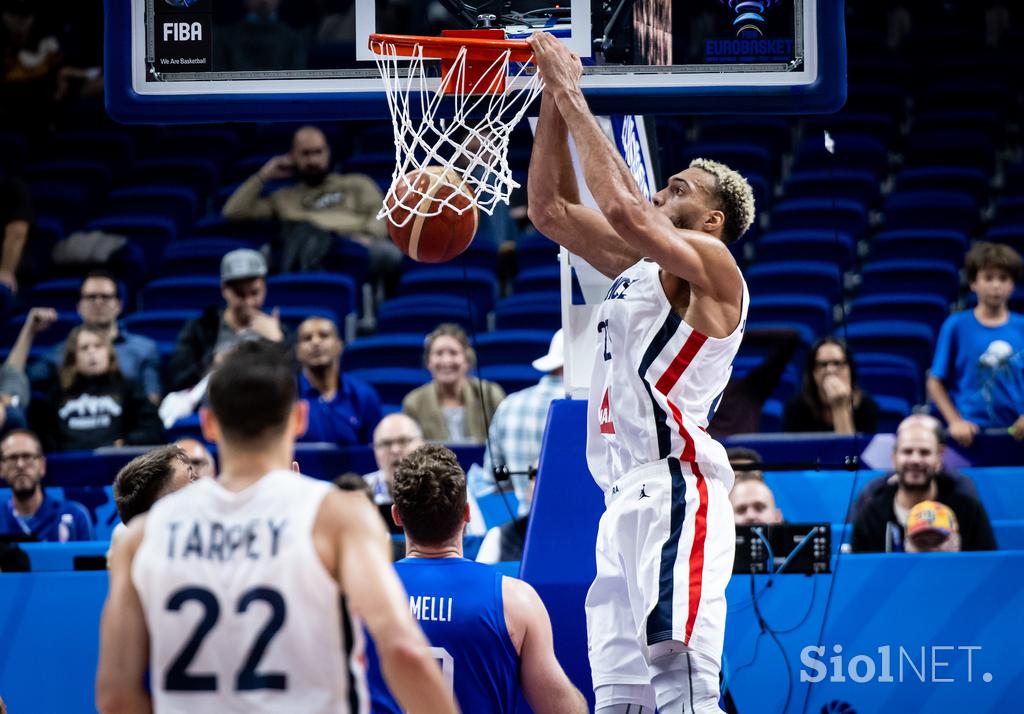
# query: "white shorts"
[665,548]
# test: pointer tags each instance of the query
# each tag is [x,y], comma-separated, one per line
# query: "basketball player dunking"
[236,592]
[668,328]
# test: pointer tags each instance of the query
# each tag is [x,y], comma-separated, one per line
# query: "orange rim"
[448,48]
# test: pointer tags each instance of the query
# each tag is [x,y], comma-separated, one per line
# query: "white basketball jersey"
[242,614]
[656,382]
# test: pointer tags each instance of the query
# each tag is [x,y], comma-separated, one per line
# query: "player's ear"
[300,418]
[778,515]
[466,513]
[208,425]
[714,221]
[394,515]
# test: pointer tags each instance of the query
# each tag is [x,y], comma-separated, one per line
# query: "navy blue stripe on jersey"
[661,339]
[659,621]
[348,638]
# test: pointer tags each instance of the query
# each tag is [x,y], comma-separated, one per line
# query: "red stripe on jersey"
[700,530]
[669,379]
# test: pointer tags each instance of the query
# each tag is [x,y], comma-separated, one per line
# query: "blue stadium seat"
[529,311]
[477,284]
[928,309]
[378,165]
[245,166]
[351,258]
[999,489]
[745,157]
[334,292]
[392,383]
[942,210]
[812,311]
[535,251]
[852,184]
[1010,234]
[159,325]
[383,351]
[151,233]
[808,277]
[93,176]
[218,144]
[911,244]
[773,133]
[199,174]
[197,257]
[181,293]
[253,232]
[481,253]
[178,203]
[99,501]
[534,280]
[981,120]
[1013,175]
[935,277]
[503,347]
[72,202]
[981,92]
[971,181]
[880,126]
[57,332]
[879,95]
[1009,534]
[60,294]
[112,147]
[818,245]
[891,411]
[852,151]
[1010,211]
[294,315]
[422,313]
[886,373]
[943,147]
[841,215]
[898,337]
[511,377]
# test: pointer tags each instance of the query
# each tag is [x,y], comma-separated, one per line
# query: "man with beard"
[879,525]
[30,511]
[343,409]
[317,211]
[218,329]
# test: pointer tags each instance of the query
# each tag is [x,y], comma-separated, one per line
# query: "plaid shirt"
[515,436]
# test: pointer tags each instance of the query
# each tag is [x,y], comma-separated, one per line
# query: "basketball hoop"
[485,86]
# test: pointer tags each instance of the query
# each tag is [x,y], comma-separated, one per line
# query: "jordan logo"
[604,416]
[643,491]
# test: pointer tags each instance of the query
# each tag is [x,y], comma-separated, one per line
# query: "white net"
[471,147]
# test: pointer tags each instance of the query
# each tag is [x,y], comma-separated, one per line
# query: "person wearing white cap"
[243,284]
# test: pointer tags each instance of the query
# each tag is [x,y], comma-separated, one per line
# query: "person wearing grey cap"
[244,288]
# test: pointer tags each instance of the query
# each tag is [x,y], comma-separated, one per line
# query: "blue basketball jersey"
[459,605]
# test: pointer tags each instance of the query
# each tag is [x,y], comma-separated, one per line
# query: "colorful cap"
[931,516]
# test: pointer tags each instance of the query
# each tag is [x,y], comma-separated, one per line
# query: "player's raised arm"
[124,640]
[554,200]
[373,589]
[695,256]
[545,684]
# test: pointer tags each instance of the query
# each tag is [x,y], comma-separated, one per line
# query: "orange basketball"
[431,239]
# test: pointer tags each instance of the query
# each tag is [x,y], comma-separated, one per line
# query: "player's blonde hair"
[734,194]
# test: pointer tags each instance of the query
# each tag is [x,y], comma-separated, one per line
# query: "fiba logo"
[181,3]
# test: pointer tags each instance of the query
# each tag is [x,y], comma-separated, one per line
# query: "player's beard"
[312,176]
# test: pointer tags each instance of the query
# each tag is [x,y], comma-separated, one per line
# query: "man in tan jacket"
[316,211]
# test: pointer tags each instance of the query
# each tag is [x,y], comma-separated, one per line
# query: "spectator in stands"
[879,525]
[30,511]
[244,288]
[739,410]
[741,456]
[753,503]
[932,528]
[259,41]
[342,409]
[517,429]
[15,218]
[961,484]
[318,211]
[453,407]
[829,398]
[92,404]
[395,437]
[977,375]
[199,457]
[99,306]
[14,397]
[495,627]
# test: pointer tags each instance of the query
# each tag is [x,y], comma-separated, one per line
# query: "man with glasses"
[199,457]
[99,306]
[395,437]
[29,511]
[244,288]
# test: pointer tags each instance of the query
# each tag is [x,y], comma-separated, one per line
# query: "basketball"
[431,238]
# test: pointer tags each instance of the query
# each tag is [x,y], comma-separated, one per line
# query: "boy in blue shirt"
[29,511]
[977,376]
